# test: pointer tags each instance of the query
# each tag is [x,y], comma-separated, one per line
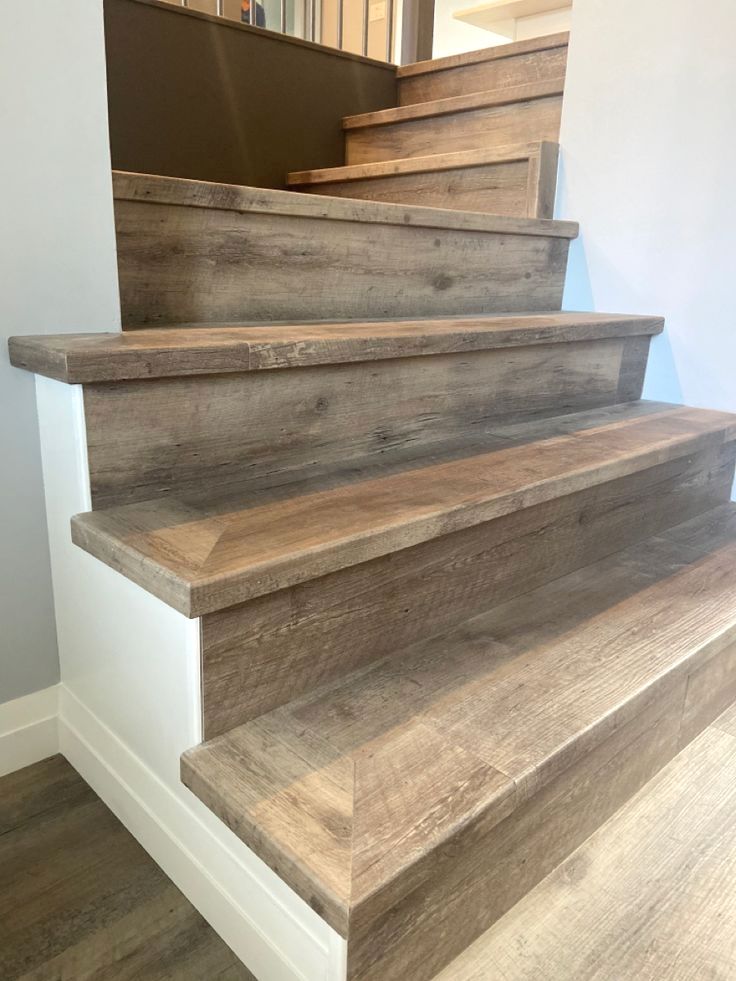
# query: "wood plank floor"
[650,897]
[80,900]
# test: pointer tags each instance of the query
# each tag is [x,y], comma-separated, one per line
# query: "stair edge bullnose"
[509,153]
[225,349]
[184,192]
[337,909]
[331,906]
[39,354]
[133,565]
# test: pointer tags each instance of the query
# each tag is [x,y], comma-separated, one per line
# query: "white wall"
[57,254]
[648,149]
[552,22]
[452,36]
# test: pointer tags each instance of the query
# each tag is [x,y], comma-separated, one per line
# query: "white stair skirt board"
[28,729]
[130,704]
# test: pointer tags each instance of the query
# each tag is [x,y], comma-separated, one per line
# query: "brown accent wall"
[192,95]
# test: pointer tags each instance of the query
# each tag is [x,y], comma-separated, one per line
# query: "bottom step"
[651,896]
[416,801]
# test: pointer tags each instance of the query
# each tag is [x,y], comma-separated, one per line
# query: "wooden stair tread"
[459,103]
[204,557]
[671,849]
[349,791]
[416,165]
[170,352]
[528,46]
[185,193]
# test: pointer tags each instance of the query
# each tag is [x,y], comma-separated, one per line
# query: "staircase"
[462,593]
[473,132]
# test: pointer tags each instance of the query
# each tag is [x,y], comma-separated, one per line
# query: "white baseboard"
[258,917]
[28,729]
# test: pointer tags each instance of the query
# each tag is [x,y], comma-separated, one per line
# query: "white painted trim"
[130,704]
[81,462]
[256,923]
[28,731]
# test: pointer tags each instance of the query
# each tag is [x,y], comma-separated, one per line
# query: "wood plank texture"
[459,104]
[262,654]
[492,53]
[478,760]
[541,185]
[514,182]
[462,594]
[509,65]
[190,253]
[466,123]
[264,428]
[414,165]
[80,899]
[649,896]
[201,557]
[172,352]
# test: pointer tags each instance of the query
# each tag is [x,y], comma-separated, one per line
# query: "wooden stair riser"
[415,801]
[482,76]
[190,253]
[459,892]
[268,651]
[208,433]
[521,188]
[521,122]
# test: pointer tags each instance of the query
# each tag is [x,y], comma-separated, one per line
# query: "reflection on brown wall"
[193,96]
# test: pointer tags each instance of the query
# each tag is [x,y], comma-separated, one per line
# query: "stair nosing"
[418,165]
[496,53]
[412,524]
[152,189]
[93,358]
[491,99]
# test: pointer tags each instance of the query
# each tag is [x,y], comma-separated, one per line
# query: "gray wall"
[648,145]
[57,256]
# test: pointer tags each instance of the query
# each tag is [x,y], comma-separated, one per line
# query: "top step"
[535,60]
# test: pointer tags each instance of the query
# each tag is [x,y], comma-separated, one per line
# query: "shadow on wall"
[662,381]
